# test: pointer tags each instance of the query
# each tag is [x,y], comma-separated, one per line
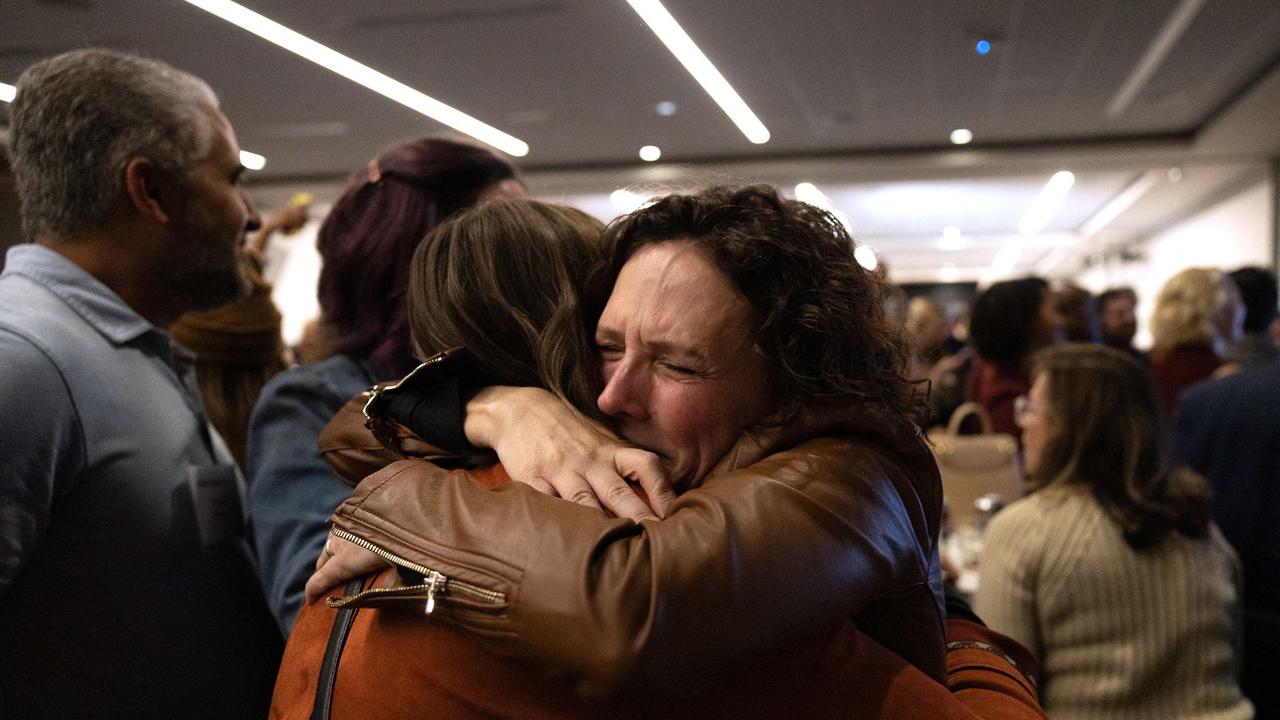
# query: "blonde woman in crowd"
[1111,571]
[1198,313]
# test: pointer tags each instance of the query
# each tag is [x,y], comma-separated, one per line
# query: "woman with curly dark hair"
[744,346]
[1010,321]
[1111,571]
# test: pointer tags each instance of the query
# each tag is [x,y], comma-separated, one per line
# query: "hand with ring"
[340,561]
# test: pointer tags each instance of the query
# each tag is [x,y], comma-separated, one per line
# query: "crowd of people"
[1141,569]
[533,466]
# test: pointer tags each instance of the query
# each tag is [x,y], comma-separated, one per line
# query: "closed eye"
[681,369]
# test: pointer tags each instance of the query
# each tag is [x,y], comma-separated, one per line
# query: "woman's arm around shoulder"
[741,567]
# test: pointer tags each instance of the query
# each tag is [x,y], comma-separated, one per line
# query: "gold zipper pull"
[432,579]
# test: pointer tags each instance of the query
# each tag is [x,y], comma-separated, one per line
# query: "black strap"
[323,706]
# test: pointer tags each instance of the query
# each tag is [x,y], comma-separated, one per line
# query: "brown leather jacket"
[754,560]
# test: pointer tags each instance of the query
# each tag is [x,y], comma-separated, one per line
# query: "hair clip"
[375,173]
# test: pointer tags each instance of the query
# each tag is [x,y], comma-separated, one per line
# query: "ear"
[142,181]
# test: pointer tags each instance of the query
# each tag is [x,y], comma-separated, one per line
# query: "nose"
[253,221]
[625,389]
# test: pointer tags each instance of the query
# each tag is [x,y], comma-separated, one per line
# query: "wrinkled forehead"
[673,287]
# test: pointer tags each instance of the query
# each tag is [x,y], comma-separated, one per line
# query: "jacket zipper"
[435,582]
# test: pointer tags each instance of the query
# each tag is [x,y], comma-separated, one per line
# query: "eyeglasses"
[1022,406]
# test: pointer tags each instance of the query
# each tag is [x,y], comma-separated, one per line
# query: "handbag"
[975,466]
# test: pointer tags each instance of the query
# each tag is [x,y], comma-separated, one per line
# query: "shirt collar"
[85,294]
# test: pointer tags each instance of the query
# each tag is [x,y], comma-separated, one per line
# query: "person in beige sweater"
[1111,571]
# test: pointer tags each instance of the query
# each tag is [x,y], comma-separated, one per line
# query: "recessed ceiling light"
[7,92]
[693,59]
[357,72]
[952,240]
[866,257]
[961,136]
[1175,174]
[626,201]
[252,161]
[666,108]
[650,153]
[948,272]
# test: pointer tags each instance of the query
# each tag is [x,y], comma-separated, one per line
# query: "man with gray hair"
[126,584]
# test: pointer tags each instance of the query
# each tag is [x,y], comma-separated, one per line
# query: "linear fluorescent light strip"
[361,74]
[1120,203]
[809,193]
[1172,30]
[1102,218]
[1047,202]
[1008,256]
[252,161]
[693,59]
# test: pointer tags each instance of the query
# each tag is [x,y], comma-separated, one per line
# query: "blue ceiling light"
[983,47]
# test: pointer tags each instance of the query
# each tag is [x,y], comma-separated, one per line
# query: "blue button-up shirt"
[122,575]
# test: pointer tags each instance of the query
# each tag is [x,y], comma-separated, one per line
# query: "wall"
[1235,232]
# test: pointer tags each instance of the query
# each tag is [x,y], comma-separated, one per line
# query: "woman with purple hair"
[366,243]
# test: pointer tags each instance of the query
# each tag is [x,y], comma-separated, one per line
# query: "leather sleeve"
[753,561]
[426,407]
[349,448]
[990,673]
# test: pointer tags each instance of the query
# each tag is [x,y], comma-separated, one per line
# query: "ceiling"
[860,98]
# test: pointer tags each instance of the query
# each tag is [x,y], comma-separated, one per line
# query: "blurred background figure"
[365,245]
[1226,429]
[1117,309]
[1111,572]
[1255,346]
[927,334]
[1010,321]
[238,346]
[1198,315]
[1079,311]
[937,356]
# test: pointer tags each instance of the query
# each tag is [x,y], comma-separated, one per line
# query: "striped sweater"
[1118,633]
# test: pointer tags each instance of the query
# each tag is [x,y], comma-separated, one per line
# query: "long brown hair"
[506,280]
[1109,435]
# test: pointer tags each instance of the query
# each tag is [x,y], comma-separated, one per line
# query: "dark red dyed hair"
[369,237]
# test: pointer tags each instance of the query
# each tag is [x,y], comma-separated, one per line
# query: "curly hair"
[368,239]
[1109,436]
[1003,322]
[819,317]
[1185,308]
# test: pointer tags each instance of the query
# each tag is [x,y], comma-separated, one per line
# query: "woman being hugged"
[1111,572]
